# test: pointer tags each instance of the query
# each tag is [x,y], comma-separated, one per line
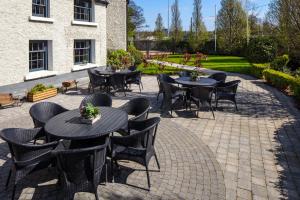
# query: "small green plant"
[89,111]
[279,63]
[119,59]
[39,88]
[194,76]
[137,55]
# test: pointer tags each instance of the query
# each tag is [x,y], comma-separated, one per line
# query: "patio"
[250,154]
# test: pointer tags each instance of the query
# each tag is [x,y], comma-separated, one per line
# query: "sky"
[153,7]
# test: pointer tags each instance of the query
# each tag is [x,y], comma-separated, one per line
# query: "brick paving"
[249,154]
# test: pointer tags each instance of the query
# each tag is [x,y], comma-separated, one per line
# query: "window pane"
[37,55]
[82,10]
[39,8]
[82,51]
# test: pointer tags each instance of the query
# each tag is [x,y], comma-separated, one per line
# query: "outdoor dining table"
[111,72]
[68,126]
[201,81]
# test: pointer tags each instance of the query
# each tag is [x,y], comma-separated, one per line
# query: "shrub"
[279,63]
[257,70]
[119,59]
[296,88]
[261,50]
[39,88]
[137,55]
[279,79]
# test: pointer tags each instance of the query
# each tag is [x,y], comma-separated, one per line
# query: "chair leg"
[112,170]
[13,192]
[212,110]
[236,108]
[148,177]
[8,179]
[142,85]
[140,88]
[96,192]
[156,159]
[105,173]
[217,103]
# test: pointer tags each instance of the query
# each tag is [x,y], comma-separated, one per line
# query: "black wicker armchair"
[172,94]
[138,108]
[219,76]
[42,112]
[138,146]
[80,169]
[96,80]
[134,77]
[202,95]
[185,74]
[163,78]
[26,156]
[97,99]
[227,91]
[117,82]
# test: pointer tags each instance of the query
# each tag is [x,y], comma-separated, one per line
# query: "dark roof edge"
[105,2]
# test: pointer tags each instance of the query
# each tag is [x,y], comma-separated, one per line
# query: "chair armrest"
[43,157]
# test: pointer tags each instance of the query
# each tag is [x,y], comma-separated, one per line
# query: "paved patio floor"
[252,153]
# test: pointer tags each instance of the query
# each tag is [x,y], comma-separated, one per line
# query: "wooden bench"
[69,84]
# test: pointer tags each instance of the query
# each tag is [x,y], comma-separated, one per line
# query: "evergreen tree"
[176,26]
[231,26]
[159,28]
[198,24]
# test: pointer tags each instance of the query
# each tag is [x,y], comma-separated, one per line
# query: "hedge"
[296,88]
[257,70]
[279,79]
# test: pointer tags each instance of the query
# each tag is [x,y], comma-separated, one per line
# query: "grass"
[153,69]
[221,63]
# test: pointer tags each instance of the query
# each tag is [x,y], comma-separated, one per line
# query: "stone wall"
[116,24]
[16,30]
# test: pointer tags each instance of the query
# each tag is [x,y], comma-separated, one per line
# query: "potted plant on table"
[194,76]
[89,114]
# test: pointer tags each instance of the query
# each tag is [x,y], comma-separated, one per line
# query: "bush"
[261,50]
[119,59]
[280,80]
[296,88]
[257,70]
[279,63]
[137,55]
[39,88]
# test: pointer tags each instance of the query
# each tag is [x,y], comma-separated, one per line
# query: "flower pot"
[90,121]
[50,92]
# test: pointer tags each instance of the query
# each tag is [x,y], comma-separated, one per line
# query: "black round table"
[201,81]
[68,126]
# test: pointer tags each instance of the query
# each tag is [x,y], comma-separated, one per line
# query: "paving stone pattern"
[252,153]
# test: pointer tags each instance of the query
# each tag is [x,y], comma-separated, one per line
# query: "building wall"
[116,24]
[16,30]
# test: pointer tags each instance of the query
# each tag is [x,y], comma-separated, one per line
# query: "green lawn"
[222,63]
[153,69]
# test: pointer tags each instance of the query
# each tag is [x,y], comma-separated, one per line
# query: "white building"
[41,38]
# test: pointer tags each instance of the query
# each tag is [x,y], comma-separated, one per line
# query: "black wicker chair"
[171,95]
[42,112]
[26,156]
[132,68]
[138,107]
[138,146]
[80,169]
[97,99]
[117,82]
[185,74]
[134,78]
[202,95]
[227,91]
[96,80]
[219,76]
[163,78]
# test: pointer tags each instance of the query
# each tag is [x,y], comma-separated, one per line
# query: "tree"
[135,18]
[159,28]
[231,26]
[199,28]
[176,27]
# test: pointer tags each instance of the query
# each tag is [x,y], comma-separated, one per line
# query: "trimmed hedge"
[296,88]
[257,70]
[278,79]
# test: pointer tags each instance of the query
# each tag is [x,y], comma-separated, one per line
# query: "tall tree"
[135,18]
[231,26]
[176,26]
[159,28]
[198,24]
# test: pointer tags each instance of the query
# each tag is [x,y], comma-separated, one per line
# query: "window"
[83,10]
[40,8]
[38,55]
[82,51]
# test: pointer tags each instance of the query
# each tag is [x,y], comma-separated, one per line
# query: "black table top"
[201,81]
[68,126]
[109,72]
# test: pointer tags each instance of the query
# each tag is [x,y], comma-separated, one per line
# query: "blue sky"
[153,7]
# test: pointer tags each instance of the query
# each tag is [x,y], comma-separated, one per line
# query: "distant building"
[41,38]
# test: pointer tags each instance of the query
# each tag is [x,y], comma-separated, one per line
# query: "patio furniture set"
[201,91]
[114,81]
[80,152]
